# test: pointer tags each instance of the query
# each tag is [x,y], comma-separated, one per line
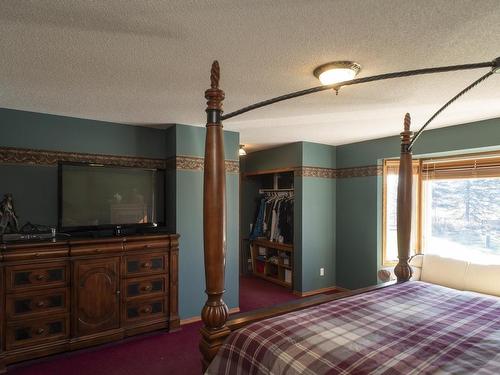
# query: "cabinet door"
[97,295]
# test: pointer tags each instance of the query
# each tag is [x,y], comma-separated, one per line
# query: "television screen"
[100,196]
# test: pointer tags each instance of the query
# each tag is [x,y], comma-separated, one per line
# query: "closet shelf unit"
[278,271]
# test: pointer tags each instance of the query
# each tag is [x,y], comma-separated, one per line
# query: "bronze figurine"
[8,218]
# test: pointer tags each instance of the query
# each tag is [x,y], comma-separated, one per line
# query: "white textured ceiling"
[147,62]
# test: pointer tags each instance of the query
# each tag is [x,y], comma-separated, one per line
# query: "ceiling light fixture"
[242,151]
[336,71]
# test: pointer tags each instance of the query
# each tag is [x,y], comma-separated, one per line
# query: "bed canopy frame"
[214,314]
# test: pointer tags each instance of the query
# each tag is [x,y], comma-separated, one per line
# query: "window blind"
[478,166]
[392,166]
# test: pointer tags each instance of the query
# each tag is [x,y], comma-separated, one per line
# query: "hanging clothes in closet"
[274,218]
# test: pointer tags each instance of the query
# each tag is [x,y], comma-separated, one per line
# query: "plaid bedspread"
[410,328]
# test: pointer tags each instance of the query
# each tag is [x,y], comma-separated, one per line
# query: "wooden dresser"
[64,295]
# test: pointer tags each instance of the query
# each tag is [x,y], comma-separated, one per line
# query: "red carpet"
[256,293]
[154,354]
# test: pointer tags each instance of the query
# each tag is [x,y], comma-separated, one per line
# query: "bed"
[410,328]
[391,328]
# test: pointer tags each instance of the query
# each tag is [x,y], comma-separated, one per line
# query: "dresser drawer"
[29,277]
[145,287]
[146,245]
[145,264]
[96,248]
[35,331]
[28,305]
[147,310]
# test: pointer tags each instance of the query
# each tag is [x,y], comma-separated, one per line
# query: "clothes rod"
[274,190]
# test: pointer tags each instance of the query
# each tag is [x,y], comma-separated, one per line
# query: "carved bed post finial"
[403,270]
[214,97]
[407,123]
[215,75]
[215,312]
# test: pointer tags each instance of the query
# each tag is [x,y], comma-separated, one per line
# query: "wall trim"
[316,172]
[319,291]
[196,163]
[321,172]
[195,319]
[15,155]
[363,171]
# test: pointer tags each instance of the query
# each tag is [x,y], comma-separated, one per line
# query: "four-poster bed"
[217,328]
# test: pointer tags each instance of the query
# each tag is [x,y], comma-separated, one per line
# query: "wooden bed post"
[215,312]
[403,270]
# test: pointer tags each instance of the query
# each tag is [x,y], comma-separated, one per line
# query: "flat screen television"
[96,197]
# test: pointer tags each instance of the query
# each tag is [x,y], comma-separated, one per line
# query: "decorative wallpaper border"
[189,163]
[316,172]
[232,166]
[13,155]
[364,171]
[195,163]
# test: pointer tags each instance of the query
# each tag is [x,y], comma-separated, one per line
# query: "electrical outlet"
[322,272]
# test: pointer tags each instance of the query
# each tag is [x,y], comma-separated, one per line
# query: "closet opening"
[267,238]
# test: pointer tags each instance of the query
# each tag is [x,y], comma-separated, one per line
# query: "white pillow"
[483,278]
[444,271]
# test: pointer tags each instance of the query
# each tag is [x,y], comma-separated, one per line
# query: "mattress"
[409,328]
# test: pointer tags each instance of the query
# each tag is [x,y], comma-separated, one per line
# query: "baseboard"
[194,319]
[319,291]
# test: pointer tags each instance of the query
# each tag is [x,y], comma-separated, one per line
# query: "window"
[390,194]
[462,207]
[456,208]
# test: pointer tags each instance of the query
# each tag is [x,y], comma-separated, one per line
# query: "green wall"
[190,141]
[35,187]
[318,206]
[314,208]
[286,156]
[318,232]
[60,133]
[359,209]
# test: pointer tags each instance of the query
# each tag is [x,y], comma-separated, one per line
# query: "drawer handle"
[146,265]
[148,246]
[148,288]
[146,310]
[40,277]
[97,250]
[40,331]
[40,304]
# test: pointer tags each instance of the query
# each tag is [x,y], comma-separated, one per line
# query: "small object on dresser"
[30,228]
[29,232]
[8,218]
